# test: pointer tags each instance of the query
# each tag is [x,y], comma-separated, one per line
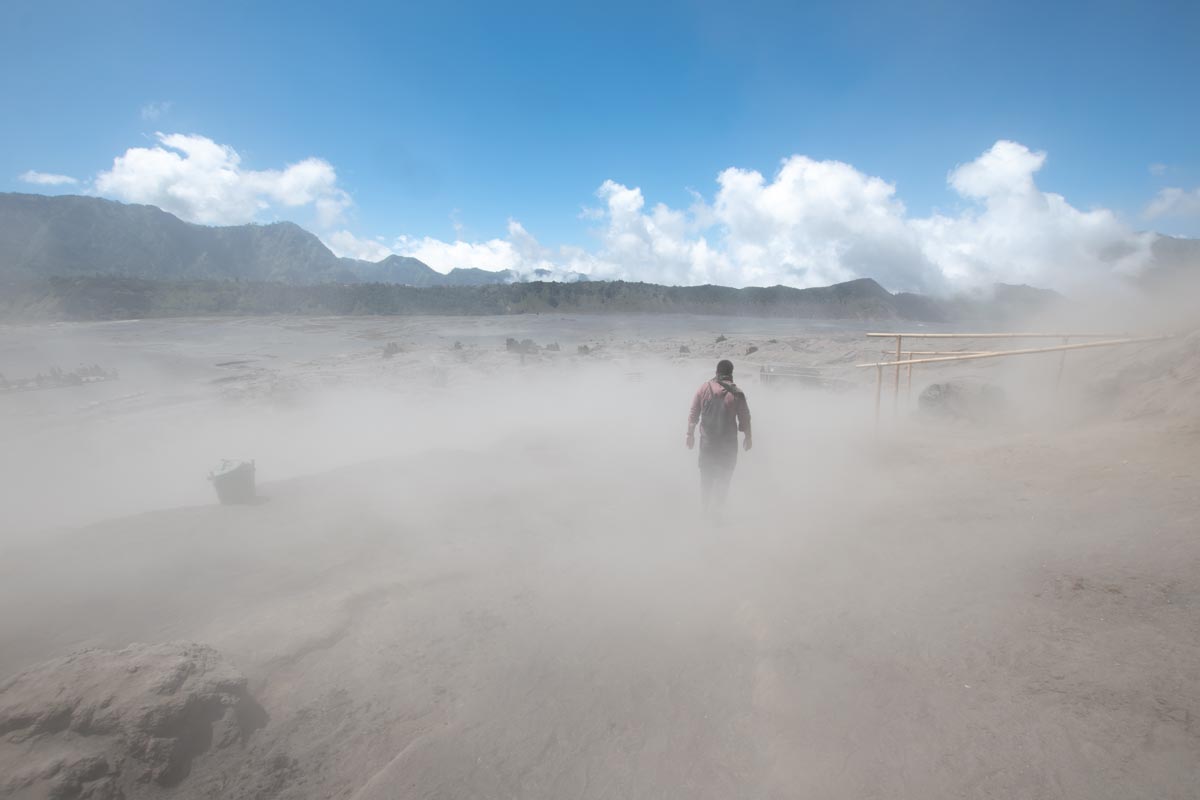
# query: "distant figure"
[720,409]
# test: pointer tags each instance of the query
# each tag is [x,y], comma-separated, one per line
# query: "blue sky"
[446,121]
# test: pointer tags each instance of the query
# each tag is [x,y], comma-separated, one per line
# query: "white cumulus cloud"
[345,244]
[493,254]
[518,251]
[45,178]
[1174,202]
[814,222]
[809,223]
[202,181]
[1016,233]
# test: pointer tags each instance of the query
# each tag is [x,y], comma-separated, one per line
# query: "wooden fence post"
[878,393]
[896,389]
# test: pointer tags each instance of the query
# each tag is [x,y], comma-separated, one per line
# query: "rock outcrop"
[964,399]
[106,724]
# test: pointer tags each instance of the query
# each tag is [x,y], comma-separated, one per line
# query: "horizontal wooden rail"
[1026,351]
[995,335]
[911,353]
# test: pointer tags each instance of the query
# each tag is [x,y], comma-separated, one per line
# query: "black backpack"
[717,419]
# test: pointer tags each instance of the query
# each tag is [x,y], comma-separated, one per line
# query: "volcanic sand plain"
[476,572]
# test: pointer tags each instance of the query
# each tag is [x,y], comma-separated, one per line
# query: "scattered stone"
[106,724]
[721,338]
[525,346]
[458,345]
[751,349]
[684,349]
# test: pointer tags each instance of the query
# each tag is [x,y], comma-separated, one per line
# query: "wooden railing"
[935,356]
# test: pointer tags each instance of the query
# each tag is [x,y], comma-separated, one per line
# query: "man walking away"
[720,409]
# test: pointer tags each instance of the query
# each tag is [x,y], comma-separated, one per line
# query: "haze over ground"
[480,573]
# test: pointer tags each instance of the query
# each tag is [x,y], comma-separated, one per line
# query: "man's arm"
[694,417]
[743,419]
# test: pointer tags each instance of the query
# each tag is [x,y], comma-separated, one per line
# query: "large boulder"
[109,724]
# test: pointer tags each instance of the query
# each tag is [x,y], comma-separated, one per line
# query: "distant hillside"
[91,258]
[63,236]
[395,269]
[45,236]
[70,236]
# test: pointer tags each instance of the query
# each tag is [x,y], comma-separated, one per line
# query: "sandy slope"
[505,589]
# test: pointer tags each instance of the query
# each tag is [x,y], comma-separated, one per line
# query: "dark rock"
[525,346]
[234,482]
[963,399]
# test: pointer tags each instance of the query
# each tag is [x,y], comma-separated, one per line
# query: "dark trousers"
[717,460]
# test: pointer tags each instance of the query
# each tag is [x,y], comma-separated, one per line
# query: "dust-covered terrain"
[478,568]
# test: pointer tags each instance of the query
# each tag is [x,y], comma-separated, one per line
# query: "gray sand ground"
[473,576]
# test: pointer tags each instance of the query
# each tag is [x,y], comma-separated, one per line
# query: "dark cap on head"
[724,368]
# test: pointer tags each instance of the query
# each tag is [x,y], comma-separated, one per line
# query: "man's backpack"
[717,419]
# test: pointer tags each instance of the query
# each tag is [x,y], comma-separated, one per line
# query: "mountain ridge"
[139,259]
[77,235]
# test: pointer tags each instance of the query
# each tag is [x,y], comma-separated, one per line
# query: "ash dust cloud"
[476,563]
